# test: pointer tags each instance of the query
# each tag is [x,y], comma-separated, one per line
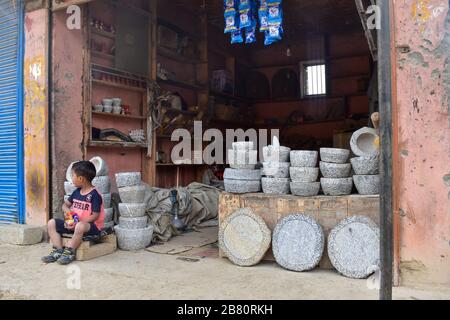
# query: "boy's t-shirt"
[85,205]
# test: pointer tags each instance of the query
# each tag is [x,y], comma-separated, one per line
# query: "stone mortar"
[244,238]
[133,223]
[108,225]
[69,188]
[128,179]
[304,174]
[132,240]
[364,142]
[276,185]
[335,170]
[274,154]
[334,155]
[365,165]
[106,197]
[132,210]
[367,184]
[109,215]
[242,186]
[337,187]
[354,247]
[102,184]
[243,159]
[298,243]
[100,166]
[243,145]
[305,189]
[69,172]
[302,159]
[276,169]
[235,174]
[134,194]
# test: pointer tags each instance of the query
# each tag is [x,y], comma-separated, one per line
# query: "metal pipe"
[385,97]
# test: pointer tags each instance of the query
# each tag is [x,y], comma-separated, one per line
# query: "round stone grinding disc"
[354,247]
[244,237]
[298,243]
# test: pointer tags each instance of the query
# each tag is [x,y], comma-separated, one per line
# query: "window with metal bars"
[313,75]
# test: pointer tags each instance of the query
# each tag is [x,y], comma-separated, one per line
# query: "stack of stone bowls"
[69,187]
[102,183]
[242,177]
[336,172]
[133,232]
[364,144]
[304,173]
[276,170]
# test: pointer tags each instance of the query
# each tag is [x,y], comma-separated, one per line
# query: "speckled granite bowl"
[337,187]
[334,155]
[335,170]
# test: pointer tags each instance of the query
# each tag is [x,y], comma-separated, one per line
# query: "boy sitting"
[84,215]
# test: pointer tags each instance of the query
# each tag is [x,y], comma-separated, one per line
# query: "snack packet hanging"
[275,14]
[236,37]
[250,34]
[231,22]
[245,17]
[274,34]
[263,19]
[229,4]
[245,5]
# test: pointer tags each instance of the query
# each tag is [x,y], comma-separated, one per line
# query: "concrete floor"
[145,275]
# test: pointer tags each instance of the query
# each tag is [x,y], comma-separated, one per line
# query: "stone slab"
[21,235]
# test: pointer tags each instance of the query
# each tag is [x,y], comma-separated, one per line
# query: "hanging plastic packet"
[229,4]
[263,19]
[274,34]
[250,34]
[245,17]
[231,23]
[245,5]
[236,37]
[275,13]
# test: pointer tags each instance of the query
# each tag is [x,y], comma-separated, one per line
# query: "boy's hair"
[85,169]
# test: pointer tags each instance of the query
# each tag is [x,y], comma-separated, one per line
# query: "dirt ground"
[145,275]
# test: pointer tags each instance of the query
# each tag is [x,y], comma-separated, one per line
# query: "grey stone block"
[242,159]
[276,154]
[337,187]
[364,142]
[334,155]
[305,189]
[100,166]
[241,186]
[69,188]
[132,210]
[244,238]
[367,184]
[276,185]
[302,159]
[108,225]
[102,184]
[298,243]
[236,174]
[276,169]
[354,247]
[21,235]
[131,240]
[106,200]
[243,145]
[133,223]
[304,174]
[335,170]
[365,165]
[134,194]
[109,214]
[128,179]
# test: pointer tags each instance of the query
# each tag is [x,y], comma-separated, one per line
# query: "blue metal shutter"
[11,112]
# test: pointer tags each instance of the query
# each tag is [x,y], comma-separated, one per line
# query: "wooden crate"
[89,250]
[327,211]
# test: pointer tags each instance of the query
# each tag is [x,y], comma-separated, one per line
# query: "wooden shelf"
[122,116]
[172,55]
[181,84]
[117,144]
[119,86]
[102,55]
[102,33]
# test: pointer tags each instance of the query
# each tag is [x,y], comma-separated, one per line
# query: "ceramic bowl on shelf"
[98,108]
[107,102]
[117,102]
[107,109]
[117,110]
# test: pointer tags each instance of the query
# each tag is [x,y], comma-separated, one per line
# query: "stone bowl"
[102,184]
[241,159]
[100,166]
[108,225]
[365,142]
[246,175]
[133,223]
[274,154]
[243,145]
[132,210]
[367,184]
[337,187]
[365,165]
[334,155]
[109,215]
[276,169]
[132,240]
[335,170]
[304,174]
[135,194]
[69,172]
[69,188]
[128,179]
[276,186]
[241,186]
[106,197]
[305,189]
[302,159]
